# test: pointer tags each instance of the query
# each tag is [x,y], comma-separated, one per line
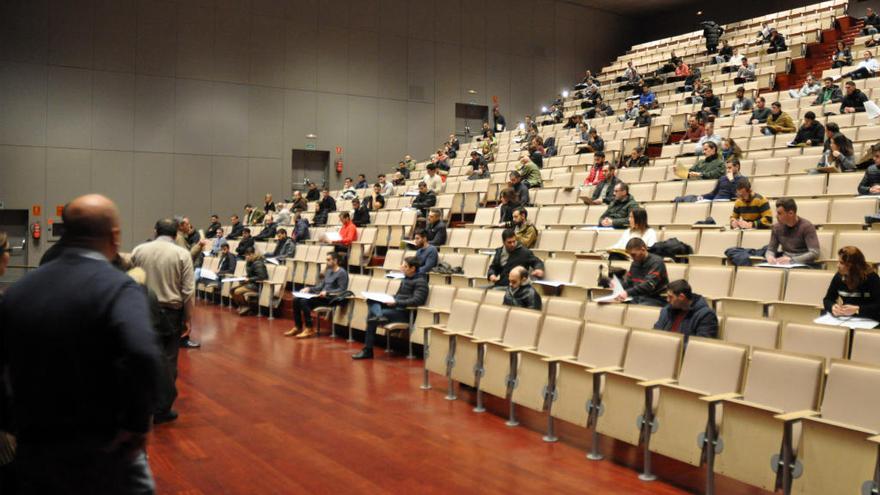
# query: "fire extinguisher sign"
[339,150]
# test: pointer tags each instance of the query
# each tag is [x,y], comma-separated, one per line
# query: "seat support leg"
[647,429]
[511,384]
[593,407]
[711,442]
[426,385]
[412,327]
[478,375]
[549,397]
[332,322]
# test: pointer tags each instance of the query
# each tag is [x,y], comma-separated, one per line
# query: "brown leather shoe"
[292,332]
[306,334]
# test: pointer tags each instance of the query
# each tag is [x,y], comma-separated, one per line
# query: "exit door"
[15,224]
[310,165]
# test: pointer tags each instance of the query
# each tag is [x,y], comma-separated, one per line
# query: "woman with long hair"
[855,288]
[729,148]
[638,227]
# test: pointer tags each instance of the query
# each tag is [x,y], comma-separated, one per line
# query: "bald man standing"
[83,364]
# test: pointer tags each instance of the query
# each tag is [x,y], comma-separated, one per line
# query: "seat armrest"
[441,328]
[680,388]
[815,417]
[603,370]
[485,341]
[555,359]
[772,410]
[721,397]
[454,332]
[875,439]
[519,349]
[656,383]
[796,415]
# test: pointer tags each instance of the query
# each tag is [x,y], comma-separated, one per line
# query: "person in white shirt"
[432,179]
[348,191]
[811,87]
[387,187]
[866,68]
[708,136]
[638,227]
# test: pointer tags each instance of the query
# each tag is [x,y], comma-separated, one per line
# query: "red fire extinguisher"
[339,166]
[35,230]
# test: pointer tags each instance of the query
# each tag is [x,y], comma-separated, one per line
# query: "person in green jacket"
[530,173]
[711,166]
[617,214]
[778,121]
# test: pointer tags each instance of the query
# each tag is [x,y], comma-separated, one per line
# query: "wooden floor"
[263,414]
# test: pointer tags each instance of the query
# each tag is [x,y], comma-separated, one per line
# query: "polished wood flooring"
[264,414]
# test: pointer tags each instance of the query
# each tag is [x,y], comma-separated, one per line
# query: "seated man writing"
[333,283]
[510,255]
[646,280]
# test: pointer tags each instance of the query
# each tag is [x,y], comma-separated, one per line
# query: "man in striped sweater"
[751,210]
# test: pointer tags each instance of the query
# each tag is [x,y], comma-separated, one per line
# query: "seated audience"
[536,155]
[360,214]
[424,200]
[792,239]
[593,143]
[375,201]
[312,194]
[270,226]
[500,121]
[476,160]
[872,22]
[252,216]
[348,233]
[741,104]
[236,229]
[855,288]
[521,191]
[481,173]
[412,293]
[724,53]
[530,173]
[300,231]
[597,171]
[432,179]
[520,292]
[776,42]
[694,130]
[644,118]
[854,99]
[866,68]
[402,174]
[745,72]
[299,203]
[811,133]
[764,34]
[617,214]
[225,267]
[839,155]
[508,198]
[711,166]
[730,150]
[636,158]
[829,93]
[682,70]
[387,188]
[603,193]
[630,111]
[435,228]
[525,231]
[711,103]
[648,99]
[268,204]
[646,280]
[709,136]
[283,216]
[778,122]
[510,255]
[687,313]
[870,183]
[426,253]
[751,210]
[284,246]
[760,112]
[411,163]
[600,109]
[362,182]
[810,87]
[842,56]
[333,283]
[348,192]
[638,228]
[725,186]
[246,242]
[213,227]
[256,273]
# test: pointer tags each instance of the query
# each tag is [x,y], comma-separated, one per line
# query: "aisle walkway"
[264,414]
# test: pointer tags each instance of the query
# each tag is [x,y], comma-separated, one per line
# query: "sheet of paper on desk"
[395,275]
[847,322]
[235,279]
[616,290]
[304,295]
[789,265]
[378,297]
[596,227]
[274,261]
[205,273]
[550,283]
[332,236]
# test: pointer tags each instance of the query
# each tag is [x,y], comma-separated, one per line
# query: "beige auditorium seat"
[585,277]
[601,346]
[851,213]
[682,428]
[533,383]
[752,287]
[802,302]
[440,339]
[359,304]
[754,333]
[475,267]
[494,296]
[713,244]
[470,294]
[868,242]
[816,340]
[838,448]
[652,357]
[393,259]
[435,311]
[866,347]
[642,317]
[564,307]
[344,313]
[607,314]
[549,242]
[466,347]
[457,239]
[750,432]
[711,282]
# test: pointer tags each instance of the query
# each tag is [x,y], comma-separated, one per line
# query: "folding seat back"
[771,166]
[393,259]
[676,271]
[608,314]
[558,338]
[551,240]
[851,211]
[573,215]
[480,239]
[816,340]
[545,196]
[690,213]
[522,330]
[715,242]
[754,239]
[458,238]
[475,265]
[868,242]
[652,354]
[660,214]
[641,317]
[568,196]
[804,290]
[651,175]
[806,186]
[814,210]
[698,187]
[866,347]
[712,282]
[770,187]
[833,451]
[566,308]
[843,184]
[642,192]
[594,213]
[756,333]
[462,315]
[495,297]
[486,217]
[752,287]
[558,270]
[667,191]
[605,239]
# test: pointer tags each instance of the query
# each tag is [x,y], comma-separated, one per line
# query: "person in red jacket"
[597,171]
[348,231]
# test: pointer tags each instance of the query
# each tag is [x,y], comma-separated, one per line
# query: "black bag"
[670,248]
[739,256]
[340,298]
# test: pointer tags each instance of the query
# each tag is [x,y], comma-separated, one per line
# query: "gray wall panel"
[228,185]
[70,32]
[333,60]
[195,42]
[263,175]
[70,107]
[24,30]
[193,116]
[154,114]
[301,57]
[115,35]
[156,38]
[229,120]
[267,51]
[113,111]
[265,122]
[113,176]
[363,69]
[23,100]
[191,172]
[68,175]
[363,137]
[153,195]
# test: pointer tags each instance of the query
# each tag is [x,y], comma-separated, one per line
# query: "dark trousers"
[302,310]
[52,469]
[376,309]
[860,73]
[170,347]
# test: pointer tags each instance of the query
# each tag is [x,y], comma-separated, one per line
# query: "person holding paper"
[256,273]
[512,254]
[687,313]
[347,233]
[224,268]
[870,183]
[646,280]
[751,210]
[617,214]
[792,239]
[520,293]
[855,288]
[413,292]
[333,283]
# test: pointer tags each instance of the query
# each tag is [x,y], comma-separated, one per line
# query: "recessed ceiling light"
[472,92]
[311,136]
[699,12]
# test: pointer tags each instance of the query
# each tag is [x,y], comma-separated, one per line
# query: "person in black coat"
[520,293]
[426,199]
[811,132]
[855,288]
[211,231]
[83,363]
[854,100]
[520,190]
[435,228]
[510,255]
[326,205]
[270,227]
[361,214]
[500,122]
[687,313]
[412,293]
[712,32]
[246,242]
[237,228]
[313,194]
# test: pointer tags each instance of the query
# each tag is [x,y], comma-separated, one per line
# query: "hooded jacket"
[699,320]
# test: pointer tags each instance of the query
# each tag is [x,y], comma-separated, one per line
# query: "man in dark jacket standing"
[646,280]
[413,292]
[520,292]
[687,313]
[83,364]
[510,255]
